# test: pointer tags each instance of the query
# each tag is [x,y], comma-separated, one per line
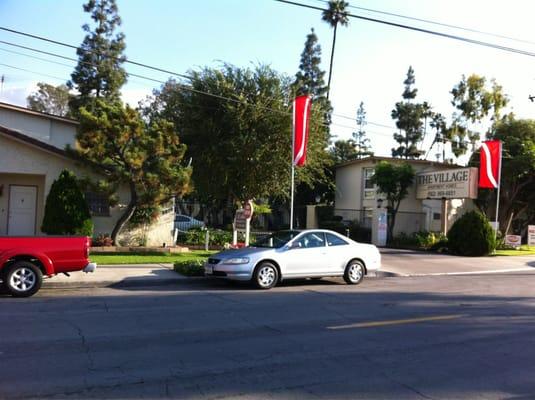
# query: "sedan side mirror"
[294,245]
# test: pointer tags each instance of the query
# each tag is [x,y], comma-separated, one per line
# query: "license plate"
[209,269]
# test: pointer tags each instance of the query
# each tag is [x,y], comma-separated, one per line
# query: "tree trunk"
[130,209]
[331,64]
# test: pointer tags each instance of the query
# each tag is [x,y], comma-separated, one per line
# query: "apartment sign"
[460,183]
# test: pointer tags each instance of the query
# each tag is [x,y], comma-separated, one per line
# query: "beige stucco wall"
[51,131]
[349,195]
[23,180]
[21,163]
[155,234]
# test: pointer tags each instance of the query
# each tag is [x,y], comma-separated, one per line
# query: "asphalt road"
[444,337]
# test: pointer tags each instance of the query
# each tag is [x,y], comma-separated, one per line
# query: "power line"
[32,72]
[156,80]
[428,21]
[421,30]
[139,64]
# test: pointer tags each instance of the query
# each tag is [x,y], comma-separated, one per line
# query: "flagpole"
[292,200]
[498,193]
[292,158]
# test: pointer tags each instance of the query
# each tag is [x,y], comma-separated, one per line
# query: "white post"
[292,199]
[498,193]
[247,231]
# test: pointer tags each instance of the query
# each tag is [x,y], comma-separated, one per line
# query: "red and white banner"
[490,156]
[301,117]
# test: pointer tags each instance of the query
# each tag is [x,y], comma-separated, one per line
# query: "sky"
[370,64]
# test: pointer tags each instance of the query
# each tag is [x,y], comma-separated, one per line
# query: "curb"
[119,284]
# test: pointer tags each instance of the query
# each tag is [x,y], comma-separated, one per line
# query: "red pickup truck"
[24,260]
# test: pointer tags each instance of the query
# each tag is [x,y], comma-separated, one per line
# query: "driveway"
[418,263]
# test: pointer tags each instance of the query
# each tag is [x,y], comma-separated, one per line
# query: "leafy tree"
[362,143]
[144,156]
[394,181]
[66,211]
[99,74]
[409,118]
[335,14]
[474,102]
[344,150]
[50,99]
[240,149]
[517,189]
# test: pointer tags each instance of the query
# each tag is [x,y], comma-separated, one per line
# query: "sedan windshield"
[276,240]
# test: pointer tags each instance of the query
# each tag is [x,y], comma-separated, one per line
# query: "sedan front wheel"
[354,273]
[265,276]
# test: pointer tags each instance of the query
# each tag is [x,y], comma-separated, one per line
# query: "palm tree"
[334,15]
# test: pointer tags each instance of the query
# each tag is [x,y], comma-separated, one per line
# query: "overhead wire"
[185,87]
[421,30]
[428,21]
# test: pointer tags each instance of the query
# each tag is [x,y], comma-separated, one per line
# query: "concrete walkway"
[404,263]
[418,263]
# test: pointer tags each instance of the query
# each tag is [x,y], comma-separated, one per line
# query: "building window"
[369,187]
[98,203]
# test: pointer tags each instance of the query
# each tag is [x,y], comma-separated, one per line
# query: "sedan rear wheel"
[266,276]
[354,273]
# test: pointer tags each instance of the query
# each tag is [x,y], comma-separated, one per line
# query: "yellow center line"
[397,322]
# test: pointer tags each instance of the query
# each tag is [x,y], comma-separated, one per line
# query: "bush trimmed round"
[471,235]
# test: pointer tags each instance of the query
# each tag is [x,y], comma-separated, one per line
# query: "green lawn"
[524,251]
[148,258]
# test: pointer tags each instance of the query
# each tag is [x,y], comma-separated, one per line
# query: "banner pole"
[498,193]
[292,199]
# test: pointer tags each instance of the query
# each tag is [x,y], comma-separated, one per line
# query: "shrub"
[102,240]
[324,213]
[422,239]
[190,268]
[66,211]
[360,233]
[471,235]
[197,237]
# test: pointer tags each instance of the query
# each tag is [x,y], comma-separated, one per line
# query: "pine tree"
[66,211]
[362,143]
[410,118]
[99,74]
[309,78]
[144,156]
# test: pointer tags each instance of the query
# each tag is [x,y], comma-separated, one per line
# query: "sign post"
[242,222]
[531,235]
[456,183]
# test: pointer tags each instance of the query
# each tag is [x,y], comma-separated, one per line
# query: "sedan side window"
[310,240]
[333,240]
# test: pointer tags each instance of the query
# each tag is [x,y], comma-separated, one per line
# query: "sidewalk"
[395,263]
[118,275]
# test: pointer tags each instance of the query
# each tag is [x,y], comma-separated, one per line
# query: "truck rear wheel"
[23,279]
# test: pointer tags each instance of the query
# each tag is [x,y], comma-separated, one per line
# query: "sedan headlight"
[237,260]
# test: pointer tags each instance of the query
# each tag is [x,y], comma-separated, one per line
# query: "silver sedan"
[296,254]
